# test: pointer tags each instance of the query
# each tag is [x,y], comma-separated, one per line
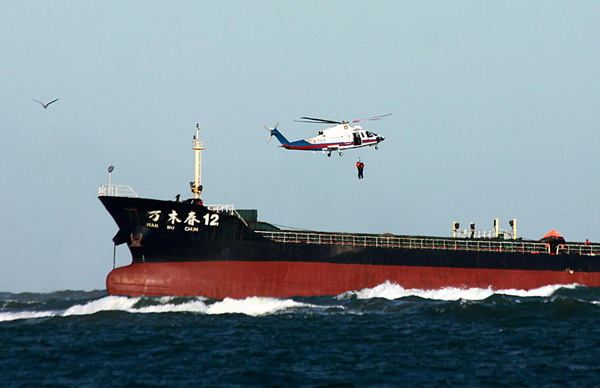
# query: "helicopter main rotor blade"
[372,118]
[315,120]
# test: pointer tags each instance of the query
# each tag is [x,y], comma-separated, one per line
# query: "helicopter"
[341,136]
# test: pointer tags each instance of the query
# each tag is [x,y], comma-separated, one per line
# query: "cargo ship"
[188,248]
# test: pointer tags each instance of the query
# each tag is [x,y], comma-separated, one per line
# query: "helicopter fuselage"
[337,138]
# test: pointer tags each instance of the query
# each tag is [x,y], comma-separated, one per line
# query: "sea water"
[386,336]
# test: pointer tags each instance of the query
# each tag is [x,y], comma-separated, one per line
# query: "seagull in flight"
[45,105]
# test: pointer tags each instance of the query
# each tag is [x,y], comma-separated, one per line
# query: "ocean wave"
[253,306]
[39,306]
[393,291]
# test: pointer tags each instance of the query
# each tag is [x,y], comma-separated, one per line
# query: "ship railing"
[229,209]
[116,191]
[455,244]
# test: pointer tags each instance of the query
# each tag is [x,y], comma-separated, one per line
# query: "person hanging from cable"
[360,166]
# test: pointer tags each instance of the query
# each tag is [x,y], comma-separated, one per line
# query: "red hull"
[240,279]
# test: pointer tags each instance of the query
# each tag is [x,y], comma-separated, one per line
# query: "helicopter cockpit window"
[320,132]
[362,134]
[369,134]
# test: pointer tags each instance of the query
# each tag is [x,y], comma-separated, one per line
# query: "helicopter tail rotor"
[271,131]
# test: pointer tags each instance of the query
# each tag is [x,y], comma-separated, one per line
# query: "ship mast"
[197,146]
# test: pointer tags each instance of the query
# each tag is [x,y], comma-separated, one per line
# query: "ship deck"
[422,242]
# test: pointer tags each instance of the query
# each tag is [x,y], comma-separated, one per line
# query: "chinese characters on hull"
[191,223]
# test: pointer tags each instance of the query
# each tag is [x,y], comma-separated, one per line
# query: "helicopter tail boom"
[280,137]
[275,132]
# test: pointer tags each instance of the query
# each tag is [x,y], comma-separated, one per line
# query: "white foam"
[392,291]
[123,303]
[9,316]
[540,292]
[193,306]
[108,303]
[254,306]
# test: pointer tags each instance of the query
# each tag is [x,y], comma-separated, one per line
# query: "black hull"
[219,236]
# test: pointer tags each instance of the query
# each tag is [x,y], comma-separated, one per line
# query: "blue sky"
[495,114]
